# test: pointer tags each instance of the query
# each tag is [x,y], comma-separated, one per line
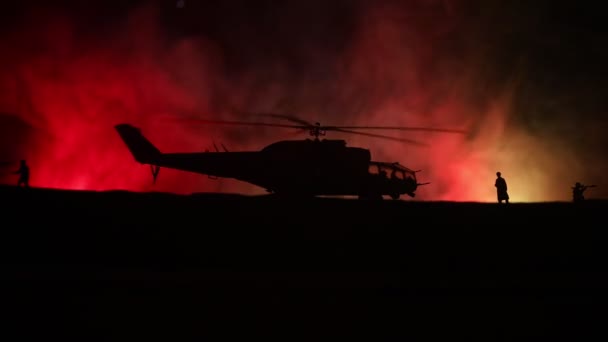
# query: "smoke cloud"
[66,80]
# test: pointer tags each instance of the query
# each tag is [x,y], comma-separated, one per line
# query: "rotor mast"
[317,130]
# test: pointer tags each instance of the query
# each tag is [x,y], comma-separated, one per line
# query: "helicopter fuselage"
[298,167]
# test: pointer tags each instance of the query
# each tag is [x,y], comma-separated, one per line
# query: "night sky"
[528,79]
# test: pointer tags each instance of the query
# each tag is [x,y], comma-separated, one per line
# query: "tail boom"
[218,164]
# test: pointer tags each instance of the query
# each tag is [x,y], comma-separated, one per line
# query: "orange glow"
[71,91]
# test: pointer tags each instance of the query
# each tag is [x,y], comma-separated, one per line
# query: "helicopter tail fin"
[142,150]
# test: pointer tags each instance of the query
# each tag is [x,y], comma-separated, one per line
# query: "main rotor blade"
[409,141]
[239,123]
[288,118]
[276,116]
[425,129]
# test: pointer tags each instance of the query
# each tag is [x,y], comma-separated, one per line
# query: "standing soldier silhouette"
[24,175]
[501,189]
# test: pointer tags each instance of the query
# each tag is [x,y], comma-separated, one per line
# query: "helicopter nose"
[409,186]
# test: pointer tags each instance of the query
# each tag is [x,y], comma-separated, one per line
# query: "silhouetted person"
[578,191]
[24,175]
[501,188]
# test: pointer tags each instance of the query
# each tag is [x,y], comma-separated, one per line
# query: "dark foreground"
[124,266]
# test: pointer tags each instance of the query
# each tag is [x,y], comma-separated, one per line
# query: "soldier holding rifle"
[578,191]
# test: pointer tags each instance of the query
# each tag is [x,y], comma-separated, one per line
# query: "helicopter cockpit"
[398,178]
[392,171]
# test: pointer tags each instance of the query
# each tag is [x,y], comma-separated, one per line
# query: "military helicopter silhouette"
[294,168]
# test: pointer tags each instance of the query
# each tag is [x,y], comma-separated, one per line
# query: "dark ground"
[125,266]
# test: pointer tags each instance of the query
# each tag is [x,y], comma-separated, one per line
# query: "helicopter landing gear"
[395,196]
[154,169]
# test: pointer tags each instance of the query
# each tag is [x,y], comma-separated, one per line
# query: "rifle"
[584,187]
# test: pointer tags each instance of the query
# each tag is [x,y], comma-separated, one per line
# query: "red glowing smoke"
[71,92]
[402,66]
